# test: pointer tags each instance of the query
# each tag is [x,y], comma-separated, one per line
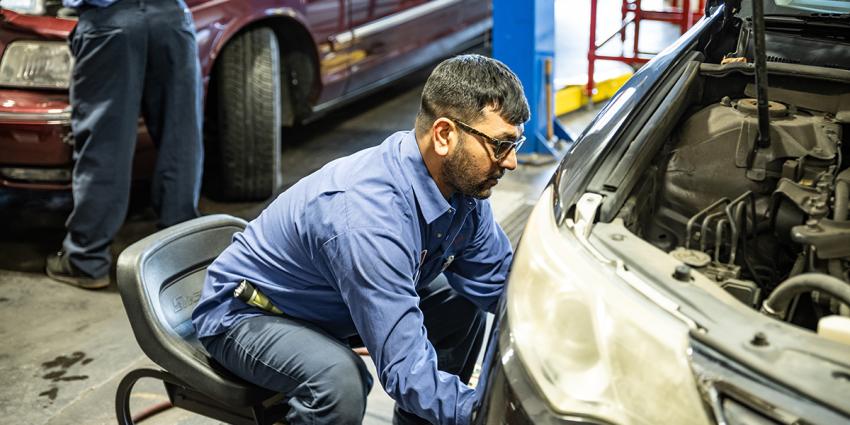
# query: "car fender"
[217,22]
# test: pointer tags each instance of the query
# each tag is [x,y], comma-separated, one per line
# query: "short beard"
[456,174]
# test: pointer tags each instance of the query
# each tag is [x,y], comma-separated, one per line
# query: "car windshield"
[798,7]
[23,6]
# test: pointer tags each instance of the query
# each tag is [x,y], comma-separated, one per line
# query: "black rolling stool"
[160,279]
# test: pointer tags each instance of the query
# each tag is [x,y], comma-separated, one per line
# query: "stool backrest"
[160,279]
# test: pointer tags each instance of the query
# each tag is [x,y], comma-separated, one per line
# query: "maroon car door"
[389,37]
[329,20]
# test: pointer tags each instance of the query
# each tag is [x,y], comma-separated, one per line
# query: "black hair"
[462,86]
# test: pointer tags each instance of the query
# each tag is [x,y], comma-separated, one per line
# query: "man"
[131,56]
[355,249]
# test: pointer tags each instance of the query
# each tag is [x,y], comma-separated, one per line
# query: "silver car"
[688,262]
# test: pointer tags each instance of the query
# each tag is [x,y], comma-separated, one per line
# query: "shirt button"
[452,210]
[439,235]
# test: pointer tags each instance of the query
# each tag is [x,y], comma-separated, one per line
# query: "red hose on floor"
[152,410]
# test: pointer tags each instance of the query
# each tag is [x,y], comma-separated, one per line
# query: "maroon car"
[265,64]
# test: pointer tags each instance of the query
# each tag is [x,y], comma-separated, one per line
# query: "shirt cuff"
[464,412]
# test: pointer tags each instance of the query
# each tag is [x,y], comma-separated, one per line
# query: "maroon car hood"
[46,27]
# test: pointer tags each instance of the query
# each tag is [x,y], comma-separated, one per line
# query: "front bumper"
[730,391]
[36,144]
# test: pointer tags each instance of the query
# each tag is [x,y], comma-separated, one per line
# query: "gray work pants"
[326,382]
[132,57]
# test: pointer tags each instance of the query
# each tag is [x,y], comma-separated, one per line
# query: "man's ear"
[443,134]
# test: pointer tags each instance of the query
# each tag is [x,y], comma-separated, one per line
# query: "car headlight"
[32,7]
[41,64]
[593,345]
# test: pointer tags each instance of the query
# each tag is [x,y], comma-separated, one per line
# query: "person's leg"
[456,330]
[172,108]
[105,96]
[325,381]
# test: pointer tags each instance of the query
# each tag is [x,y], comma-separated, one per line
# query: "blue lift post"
[524,39]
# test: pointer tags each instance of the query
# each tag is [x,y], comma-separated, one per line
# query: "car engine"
[747,216]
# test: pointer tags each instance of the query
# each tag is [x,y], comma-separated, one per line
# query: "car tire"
[249,117]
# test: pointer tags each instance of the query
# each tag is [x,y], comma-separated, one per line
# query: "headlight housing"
[593,345]
[31,7]
[36,64]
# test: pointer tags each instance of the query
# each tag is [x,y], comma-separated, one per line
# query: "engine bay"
[753,217]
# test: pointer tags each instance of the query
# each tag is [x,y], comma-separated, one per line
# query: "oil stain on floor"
[57,371]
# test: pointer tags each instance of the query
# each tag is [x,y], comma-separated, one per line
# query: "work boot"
[59,268]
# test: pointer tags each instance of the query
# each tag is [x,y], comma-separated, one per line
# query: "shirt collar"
[431,201]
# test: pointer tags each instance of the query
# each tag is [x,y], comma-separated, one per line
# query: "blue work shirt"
[77,3]
[346,247]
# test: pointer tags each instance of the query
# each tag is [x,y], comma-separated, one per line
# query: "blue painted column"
[524,39]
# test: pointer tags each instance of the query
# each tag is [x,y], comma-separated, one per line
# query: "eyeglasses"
[501,148]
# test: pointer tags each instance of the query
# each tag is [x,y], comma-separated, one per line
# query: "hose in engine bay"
[842,198]
[777,304]
[842,195]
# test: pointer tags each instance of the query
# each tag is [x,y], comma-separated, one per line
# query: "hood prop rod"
[763,140]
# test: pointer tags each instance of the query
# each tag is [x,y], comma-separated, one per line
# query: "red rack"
[632,13]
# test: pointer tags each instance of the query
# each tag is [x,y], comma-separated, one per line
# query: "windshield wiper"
[815,18]
[833,26]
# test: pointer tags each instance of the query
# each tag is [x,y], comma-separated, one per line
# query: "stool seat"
[160,279]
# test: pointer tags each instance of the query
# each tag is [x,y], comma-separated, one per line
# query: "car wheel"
[249,117]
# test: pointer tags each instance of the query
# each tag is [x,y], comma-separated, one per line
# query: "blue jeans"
[133,57]
[325,381]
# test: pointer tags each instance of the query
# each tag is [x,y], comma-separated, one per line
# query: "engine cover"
[710,160]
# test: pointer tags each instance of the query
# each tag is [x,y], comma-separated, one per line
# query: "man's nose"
[509,161]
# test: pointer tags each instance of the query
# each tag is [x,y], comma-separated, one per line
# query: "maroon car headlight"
[36,64]
[594,339]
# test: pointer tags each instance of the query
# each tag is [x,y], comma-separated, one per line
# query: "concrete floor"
[64,350]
